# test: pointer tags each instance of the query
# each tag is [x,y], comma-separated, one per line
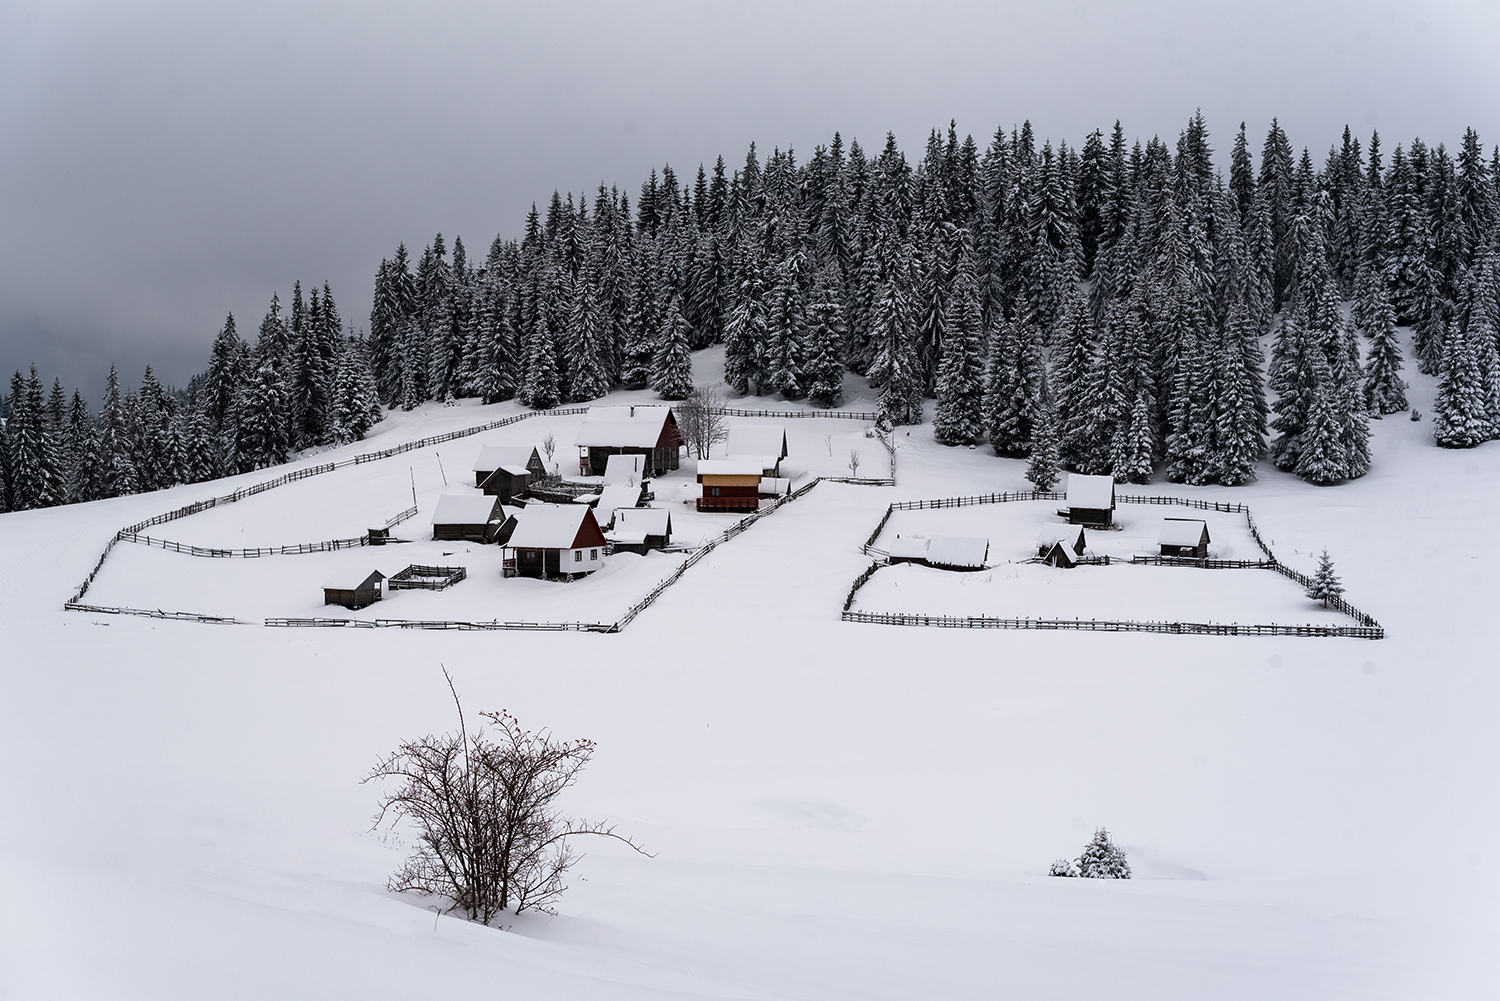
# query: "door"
[551,565]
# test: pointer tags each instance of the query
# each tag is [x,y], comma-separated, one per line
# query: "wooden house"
[641,528]
[555,540]
[1060,554]
[764,442]
[354,588]
[507,483]
[612,499]
[625,470]
[466,517]
[492,457]
[729,484]
[1072,537]
[649,431]
[957,552]
[1091,500]
[1184,537]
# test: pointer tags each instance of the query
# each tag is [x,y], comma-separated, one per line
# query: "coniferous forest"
[1098,308]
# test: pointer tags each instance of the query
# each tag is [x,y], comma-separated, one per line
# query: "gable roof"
[556,526]
[624,469]
[353,579]
[465,509]
[1091,492]
[730,467]
[756,440]
[904,547]
[957,550]
[633,524]
[1058,554]
[614,497]
[493,457]
[1059,533]
[1182,532]
[628,427]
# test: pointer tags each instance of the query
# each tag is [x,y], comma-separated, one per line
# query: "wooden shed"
[1091,500]
[354,588]
[492,457]
[1059,554]
[641,528]
[957,552]
[507,483]
[466,517]
[555,540]
[1072,537]
[649,431]
[1184,537]
[765,443]
[729,484]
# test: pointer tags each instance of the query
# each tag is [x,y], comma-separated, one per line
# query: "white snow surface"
[835,810]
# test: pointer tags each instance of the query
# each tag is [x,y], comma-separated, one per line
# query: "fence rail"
[848,415]
[328,546]
[424,578]
[1000,498]
[154,613]
[1224,507]
[1105,626]
[397,519]
[1205,564]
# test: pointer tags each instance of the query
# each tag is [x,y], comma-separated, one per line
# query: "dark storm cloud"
[163,165]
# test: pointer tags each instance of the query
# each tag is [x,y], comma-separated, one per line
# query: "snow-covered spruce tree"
[960,380]
[540,390]
[355,407]
[1074,354]
[1134,446]
[1238,421]
[585,348]
[114,446]
[745,333]
[1460,418]
[1354,431]
[1384,391]
[1063,867]
[1042,471]
[262,423]
[672,366]
[896,368]
[825,340]
[1295,377]
[1326,585]
[1321,458]
[1020,392]
[1103,859]
[35,474]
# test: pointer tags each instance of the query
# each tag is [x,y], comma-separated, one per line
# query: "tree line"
[305,382]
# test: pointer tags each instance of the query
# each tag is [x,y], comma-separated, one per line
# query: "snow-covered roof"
[628,470]
[756,440]
[1182,531]
[1092,492]
[730,467]
[493,457]
[352,579]
[463,509]
[516,470]
[904,547]
[622,427]
[1059,533]
[613,497]
[643,521]
[549,526]
[775,486]
[957,550]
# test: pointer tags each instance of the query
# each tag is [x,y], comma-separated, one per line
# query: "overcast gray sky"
[164,164]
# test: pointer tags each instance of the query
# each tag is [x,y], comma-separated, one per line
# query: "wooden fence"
[1205,564]
[424,578]
[848,415]
[1105,626]
[154,613]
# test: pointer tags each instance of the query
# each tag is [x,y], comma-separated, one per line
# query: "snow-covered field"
[836,810]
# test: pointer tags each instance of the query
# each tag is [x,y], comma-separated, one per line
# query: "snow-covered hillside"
[837,810]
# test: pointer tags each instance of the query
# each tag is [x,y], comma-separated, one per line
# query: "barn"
[1091,500]
[354,588]
[611,499]
[1184,537]
[492,457]
[648,431]
[763,442]
[554,540]
[466,517]
[1072,537]
[729,484]
[639,529]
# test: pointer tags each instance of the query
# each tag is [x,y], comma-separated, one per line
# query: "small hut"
[957,552]
[765,443]
[648,431]
[354,588]
[639,529]
[555,540]
[729,484]
[906,549]
[507,483]
[1091,500]
[1072,537]
[1059,554]
[492,457]
[1184,537]
[611,499]
[466,518]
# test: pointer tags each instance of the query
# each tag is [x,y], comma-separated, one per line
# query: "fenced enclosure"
[418,577]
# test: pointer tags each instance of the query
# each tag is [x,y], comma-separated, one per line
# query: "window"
[713,491]
[532,554]
[593,555]
[578,556]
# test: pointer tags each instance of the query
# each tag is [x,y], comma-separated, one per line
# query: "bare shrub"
[489,836]
[854,462]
